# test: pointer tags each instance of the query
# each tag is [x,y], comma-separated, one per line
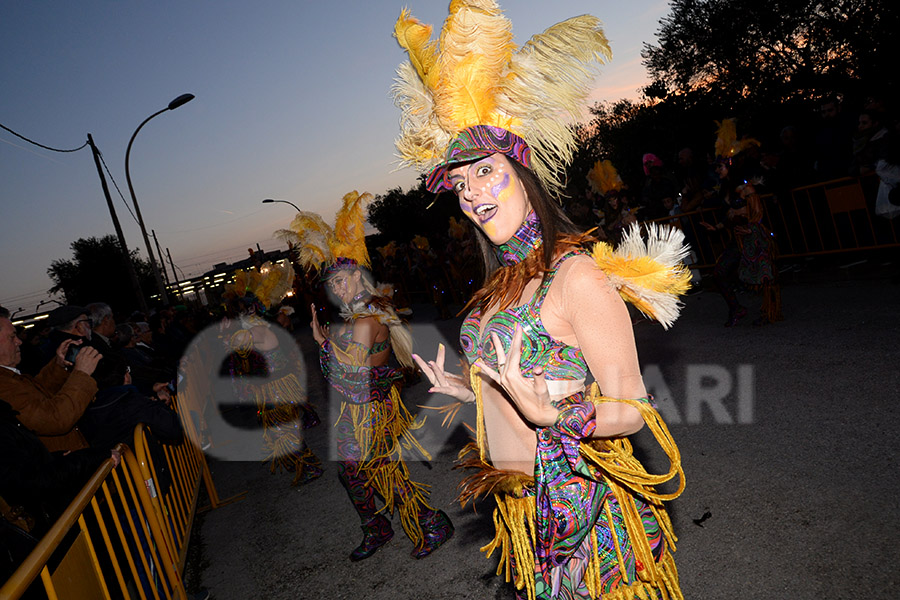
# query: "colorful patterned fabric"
[372,430]
[526,240]
[474,143]
[757,265]
[340,264]
[559,360]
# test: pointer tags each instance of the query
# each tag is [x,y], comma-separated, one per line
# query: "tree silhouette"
[97,273]
[773,50]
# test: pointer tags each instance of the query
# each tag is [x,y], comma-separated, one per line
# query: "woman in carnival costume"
[374,426]
[749,253]
[577,515]
[267,373]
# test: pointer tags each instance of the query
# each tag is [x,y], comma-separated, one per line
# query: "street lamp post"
[179,101]
[269,201]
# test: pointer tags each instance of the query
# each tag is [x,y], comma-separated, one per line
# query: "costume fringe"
[278,410]
[771,304]
[383,443]
[514,517]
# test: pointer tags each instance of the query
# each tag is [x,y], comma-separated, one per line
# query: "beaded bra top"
[559,360]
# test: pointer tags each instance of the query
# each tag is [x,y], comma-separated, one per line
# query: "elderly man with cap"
[51,402]
[69,322]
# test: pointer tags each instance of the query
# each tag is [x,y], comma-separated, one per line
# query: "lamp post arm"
[137,209]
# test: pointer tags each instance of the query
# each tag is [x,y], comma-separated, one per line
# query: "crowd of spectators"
[846,142]
[72,390]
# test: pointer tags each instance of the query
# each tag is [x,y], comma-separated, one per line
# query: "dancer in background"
[374,426]
[268,374]
[577,516]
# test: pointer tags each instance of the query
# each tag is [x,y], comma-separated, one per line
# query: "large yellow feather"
[349,238]
[603,178]
[415,38]
[476,45]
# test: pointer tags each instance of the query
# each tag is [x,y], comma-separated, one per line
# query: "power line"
[41,145]
[116,185]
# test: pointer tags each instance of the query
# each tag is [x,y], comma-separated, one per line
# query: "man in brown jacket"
[50,403]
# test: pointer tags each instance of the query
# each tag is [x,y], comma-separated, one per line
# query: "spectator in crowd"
[833,140]
[50,403]
[37,480]
[103,327]
[120,406]
[695,180]
[69,322]
[870,143]
[658,186]
[795,165]
[618,215]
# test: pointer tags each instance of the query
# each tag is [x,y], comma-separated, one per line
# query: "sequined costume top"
[559,361]
[577,518]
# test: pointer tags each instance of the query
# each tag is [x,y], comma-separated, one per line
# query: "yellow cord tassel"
[514,517]
[383,444]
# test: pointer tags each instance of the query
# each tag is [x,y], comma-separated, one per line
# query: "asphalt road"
[788,435]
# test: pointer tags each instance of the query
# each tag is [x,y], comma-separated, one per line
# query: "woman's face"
[492,196]
[346,284]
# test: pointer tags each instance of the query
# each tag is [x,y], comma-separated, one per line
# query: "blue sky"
[292,102]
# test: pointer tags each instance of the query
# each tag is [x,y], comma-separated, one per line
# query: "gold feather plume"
[275,281]
[727,142]
[389,250]
[349,237]
[317,242]
[270,284]
[474,75]
[603,178]
[651,275]
[309,234]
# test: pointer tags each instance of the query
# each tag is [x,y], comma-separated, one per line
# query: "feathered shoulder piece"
[474,75]
[319,245]
[650,274]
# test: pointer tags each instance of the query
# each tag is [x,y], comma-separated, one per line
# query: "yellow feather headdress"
[473,75]
[603,178]
[270,284]
[727,142]
[321,247]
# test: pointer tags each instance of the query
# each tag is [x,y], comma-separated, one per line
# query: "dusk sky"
[292,102]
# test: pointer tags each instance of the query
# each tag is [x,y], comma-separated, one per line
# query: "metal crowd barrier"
[107,543]
[133,524]
[825,218]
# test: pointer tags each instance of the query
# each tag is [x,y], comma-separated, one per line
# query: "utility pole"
[132,274]
[160,255]
[174,274]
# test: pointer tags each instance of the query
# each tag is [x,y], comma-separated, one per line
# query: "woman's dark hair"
[554,222]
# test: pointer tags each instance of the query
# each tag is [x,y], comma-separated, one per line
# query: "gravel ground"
[787,434]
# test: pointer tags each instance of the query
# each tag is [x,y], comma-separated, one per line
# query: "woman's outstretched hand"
[530,395]
[320,333]
[443,382]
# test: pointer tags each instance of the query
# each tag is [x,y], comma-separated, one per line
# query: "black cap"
[65,314]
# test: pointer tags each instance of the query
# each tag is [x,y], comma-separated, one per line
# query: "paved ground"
[788,433]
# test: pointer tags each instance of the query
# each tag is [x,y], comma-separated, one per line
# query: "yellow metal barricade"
[107,543]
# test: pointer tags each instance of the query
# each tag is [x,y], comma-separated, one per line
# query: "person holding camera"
[51,402]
